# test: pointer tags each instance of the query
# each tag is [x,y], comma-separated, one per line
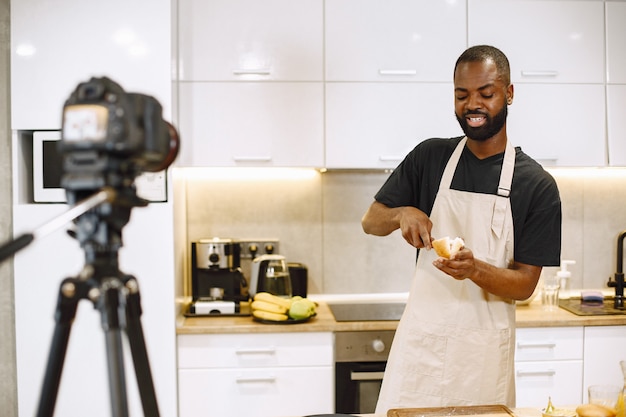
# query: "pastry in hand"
[446,247]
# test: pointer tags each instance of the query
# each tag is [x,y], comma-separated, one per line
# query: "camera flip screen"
[85,122]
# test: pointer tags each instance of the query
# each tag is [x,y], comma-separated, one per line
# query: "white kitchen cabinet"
[251,90]
[605,347]
[251,124]
[616,123]
[235,40]
[393,40]
[374,125]
[615,35]
[549,363]
[546,120]
[57,45]
[257,375]
[555,41]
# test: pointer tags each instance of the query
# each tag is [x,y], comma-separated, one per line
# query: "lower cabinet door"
[559,380]
[255,392]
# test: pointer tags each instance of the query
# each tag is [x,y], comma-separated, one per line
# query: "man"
[455,342]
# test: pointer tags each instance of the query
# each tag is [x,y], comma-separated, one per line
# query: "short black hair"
[481,53]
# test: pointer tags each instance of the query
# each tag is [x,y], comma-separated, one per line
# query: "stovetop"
[367,311]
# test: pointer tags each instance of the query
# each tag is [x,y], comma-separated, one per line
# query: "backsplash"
[317,218]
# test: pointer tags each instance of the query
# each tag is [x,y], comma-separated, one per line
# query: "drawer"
[255,350]
[549,343]
[260,392]
[560,380]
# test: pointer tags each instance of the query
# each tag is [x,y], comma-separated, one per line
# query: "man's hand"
[415,226]
[516,282]
[380,220]
[459,267]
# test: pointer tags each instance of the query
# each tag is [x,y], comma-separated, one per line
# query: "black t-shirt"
[535,201]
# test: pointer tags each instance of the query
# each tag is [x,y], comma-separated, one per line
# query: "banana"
[269,307]
[266,315]
[271,298]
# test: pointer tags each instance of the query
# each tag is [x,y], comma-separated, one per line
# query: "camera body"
[110,136]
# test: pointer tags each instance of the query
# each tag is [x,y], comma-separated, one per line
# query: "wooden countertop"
[532,315]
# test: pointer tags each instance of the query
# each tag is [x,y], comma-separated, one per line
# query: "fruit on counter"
[594,410]
[267,306]
[271,298]
[301,309]
[268,315]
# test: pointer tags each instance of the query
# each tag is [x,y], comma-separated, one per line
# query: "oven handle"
[366,376]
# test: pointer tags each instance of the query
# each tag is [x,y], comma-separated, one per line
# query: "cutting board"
[474,410]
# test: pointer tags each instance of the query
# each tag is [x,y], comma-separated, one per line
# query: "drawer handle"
[252,158]
[253,379]
[397,72]
[546,345]
[367,376]
[549,372]
[540,73]
[258,71]
[256,351]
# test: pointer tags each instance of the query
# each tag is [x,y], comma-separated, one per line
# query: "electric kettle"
[270,273]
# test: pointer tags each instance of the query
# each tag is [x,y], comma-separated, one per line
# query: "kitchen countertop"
[532,315]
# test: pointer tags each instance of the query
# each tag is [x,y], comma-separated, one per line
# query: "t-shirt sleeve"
[399,188]
[539,242]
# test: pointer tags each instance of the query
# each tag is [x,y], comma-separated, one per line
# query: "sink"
[573,305]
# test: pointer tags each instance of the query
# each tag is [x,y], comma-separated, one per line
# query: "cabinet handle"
[548,345]
[389,158]
[366,376]
[549,372]
[258,71]
[243,380]
[397,72]
[252,158]
[547,73]
[256,351]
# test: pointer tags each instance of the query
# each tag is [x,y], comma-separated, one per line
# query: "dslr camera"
[109,137]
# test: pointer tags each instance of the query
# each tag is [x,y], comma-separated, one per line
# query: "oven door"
[357,385]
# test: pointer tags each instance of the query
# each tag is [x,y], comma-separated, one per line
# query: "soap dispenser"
[564,277]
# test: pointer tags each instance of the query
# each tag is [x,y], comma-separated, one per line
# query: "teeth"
[476,119]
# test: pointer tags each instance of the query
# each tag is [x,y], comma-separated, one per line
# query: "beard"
[492,125]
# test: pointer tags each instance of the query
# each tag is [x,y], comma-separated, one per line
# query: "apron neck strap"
[506,175]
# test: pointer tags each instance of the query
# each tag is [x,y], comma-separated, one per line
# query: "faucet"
[618,283]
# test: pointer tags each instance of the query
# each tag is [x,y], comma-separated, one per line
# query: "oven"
[361,356]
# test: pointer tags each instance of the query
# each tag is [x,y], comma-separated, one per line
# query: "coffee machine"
[218,284]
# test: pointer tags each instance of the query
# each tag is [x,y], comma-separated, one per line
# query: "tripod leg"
[64,316]
[138,350]
[111,306]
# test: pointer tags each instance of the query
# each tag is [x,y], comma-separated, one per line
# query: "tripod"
[99,220]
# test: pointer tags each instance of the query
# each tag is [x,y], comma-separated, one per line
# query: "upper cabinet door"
[226,40]
[252,124]
[546,121]
[55,45]
[393,40]
[549,41]
[615,36]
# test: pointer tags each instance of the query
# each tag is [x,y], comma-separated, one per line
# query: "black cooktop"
[367,311]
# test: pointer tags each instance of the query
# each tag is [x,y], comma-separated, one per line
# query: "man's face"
[481,98]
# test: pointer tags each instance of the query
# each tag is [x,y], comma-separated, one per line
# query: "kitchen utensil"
[270,273]
[299,274]
[605,395]
[491,410]
[550,292]
[216,272]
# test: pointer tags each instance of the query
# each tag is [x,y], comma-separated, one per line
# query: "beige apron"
[455,342]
